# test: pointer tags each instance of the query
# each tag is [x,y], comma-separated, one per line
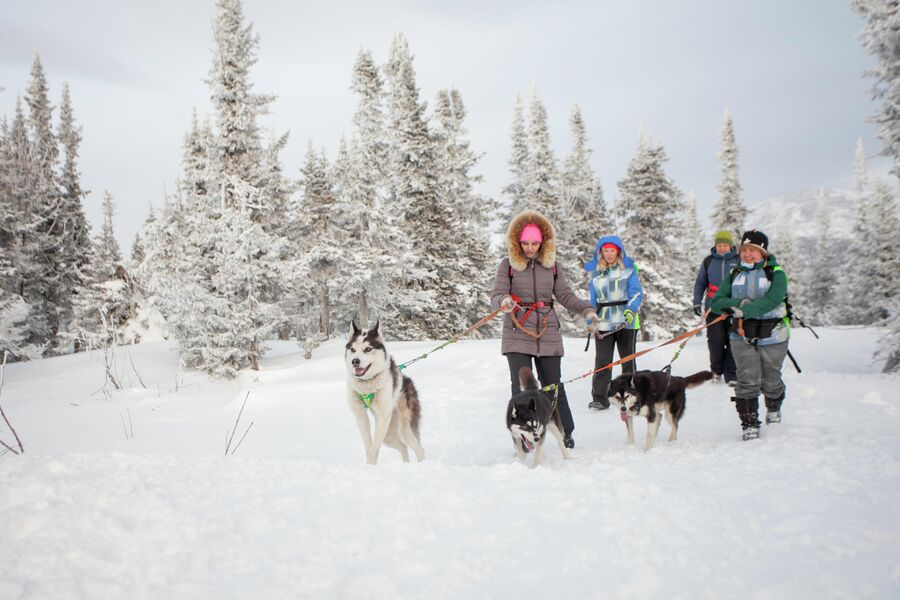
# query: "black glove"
[698,310]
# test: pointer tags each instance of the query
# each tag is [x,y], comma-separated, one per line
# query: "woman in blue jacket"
[616,295]
[714,268]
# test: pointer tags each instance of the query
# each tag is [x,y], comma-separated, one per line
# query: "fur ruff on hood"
[546,254]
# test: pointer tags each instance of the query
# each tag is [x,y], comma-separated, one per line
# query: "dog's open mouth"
[527,445]
[359,371]
[623,414]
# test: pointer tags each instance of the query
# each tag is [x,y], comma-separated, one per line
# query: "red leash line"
[675,339]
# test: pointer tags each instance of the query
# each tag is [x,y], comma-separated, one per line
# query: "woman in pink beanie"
[527,280]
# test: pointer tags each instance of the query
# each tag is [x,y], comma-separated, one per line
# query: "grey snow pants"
[758,368]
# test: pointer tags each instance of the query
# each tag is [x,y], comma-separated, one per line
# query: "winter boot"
[748,411]
[598,404]
[773,409]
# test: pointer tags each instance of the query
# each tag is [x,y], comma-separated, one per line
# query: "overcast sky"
[790,72]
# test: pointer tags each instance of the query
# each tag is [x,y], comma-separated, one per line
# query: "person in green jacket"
[755,296]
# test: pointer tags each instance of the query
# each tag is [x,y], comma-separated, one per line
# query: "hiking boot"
[750,433]
[748,411]
[731,383]
[773,409]
[569,442]
[598,405]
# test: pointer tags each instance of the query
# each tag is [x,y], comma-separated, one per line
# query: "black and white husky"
[530,415]
[649,394]
[374,383]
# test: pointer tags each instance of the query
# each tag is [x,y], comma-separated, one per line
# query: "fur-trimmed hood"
[547,252]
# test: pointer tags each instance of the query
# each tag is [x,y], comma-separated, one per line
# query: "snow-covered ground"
[132,497]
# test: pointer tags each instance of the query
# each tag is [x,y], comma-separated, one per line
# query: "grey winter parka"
[532,281]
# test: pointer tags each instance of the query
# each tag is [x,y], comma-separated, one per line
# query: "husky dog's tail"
[697,378]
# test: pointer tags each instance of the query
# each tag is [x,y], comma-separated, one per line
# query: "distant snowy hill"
[799,209]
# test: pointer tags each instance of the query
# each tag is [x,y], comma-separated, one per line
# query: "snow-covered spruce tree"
[237,107]
[542,179]
[226,303]
[46,288]
[76,236]
[16,241]
[109,257]
[427,302]
[652,224]
[518,167]
[820,284]
[105,305]
[321,254]
[782,245]
[885,289]
[730,212]
[374,284]
[13,309]
[582,212]
[856,308]
[695,243]
[468,213]
[881,37]
[584,206]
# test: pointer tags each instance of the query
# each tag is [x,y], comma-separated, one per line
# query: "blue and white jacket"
[615,284]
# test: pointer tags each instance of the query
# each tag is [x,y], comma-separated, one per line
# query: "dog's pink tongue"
[623,415]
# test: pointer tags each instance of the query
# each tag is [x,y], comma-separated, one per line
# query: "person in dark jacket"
[527,285]
[616,294]
[714,268]
[756,298]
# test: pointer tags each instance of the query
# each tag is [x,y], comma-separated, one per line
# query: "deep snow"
[810,510]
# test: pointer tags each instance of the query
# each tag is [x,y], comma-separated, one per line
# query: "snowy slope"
[810,510]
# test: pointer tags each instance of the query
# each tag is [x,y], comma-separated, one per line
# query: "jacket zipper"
[537,315]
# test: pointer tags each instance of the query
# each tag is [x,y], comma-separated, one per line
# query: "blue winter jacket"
[713,270]
[615,284]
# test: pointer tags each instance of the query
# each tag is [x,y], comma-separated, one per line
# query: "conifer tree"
[315,285]
[518,166]
[76,236]
[694,243]
[468,215]
[885,294]
[108,255]
[542,178]
[820,285]
[653,215]
[414,192]
[881,36]
[44,287]
[855,308]
[585,210]
[730,212]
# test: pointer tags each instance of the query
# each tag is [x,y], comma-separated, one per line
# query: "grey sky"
[790,72]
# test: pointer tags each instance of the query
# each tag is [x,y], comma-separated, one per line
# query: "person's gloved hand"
[745,301]
[507,304]
[698,310]
[629,316]
[733,311]
[590,320]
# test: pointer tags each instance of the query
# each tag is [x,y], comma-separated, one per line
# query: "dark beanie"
[756,239]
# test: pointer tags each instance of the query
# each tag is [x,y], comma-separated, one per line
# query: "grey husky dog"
[529,416]
[374,383]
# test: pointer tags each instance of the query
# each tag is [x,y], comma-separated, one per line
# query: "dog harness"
[366,399]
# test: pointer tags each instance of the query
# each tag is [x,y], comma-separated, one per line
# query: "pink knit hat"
[531,233]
